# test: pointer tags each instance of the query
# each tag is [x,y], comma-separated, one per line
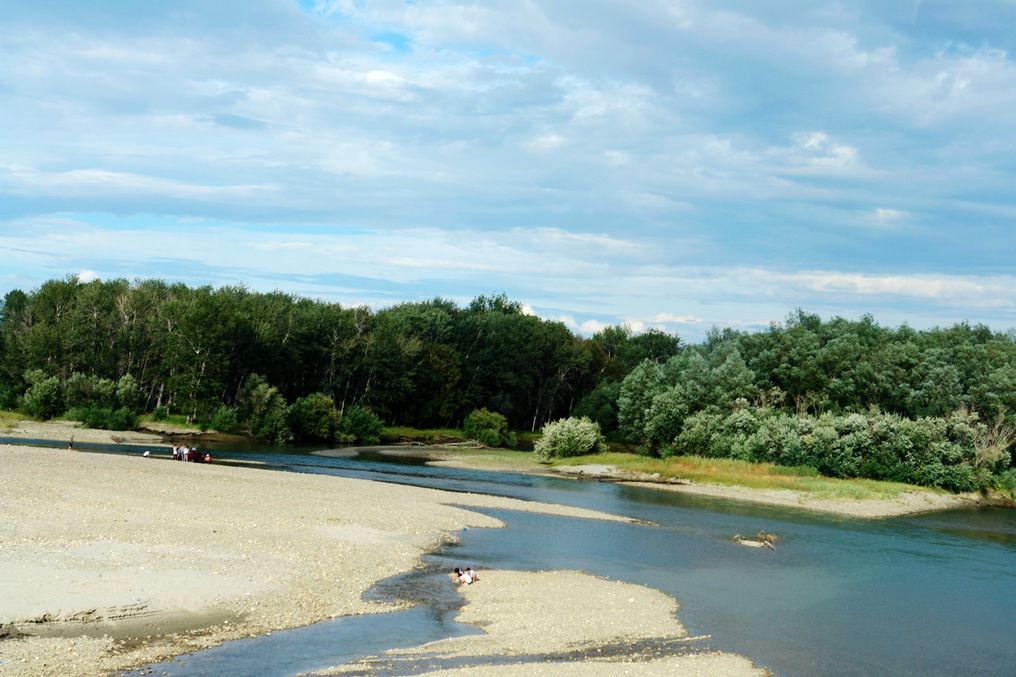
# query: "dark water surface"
[924,595]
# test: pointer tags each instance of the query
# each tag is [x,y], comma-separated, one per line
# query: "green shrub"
[570,437]
[314,417]
[359,425]
[266,411]
[128,393]
[44,397]
[1006,481]
[161,413]
[488,428]
[224,419]
[105,418]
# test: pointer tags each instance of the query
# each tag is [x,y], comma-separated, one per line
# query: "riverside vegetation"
[843,398]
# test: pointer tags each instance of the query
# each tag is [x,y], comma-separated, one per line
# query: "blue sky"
[667,163]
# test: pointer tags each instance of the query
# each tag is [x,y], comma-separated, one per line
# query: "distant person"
[460,577]
[70,445]
[208,458]
[147,454]
[472,575]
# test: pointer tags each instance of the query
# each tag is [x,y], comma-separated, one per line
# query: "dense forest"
[848,397]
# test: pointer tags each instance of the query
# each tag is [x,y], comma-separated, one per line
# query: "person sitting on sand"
[459,577]
[472,575]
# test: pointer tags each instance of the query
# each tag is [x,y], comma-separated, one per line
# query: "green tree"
[314,417]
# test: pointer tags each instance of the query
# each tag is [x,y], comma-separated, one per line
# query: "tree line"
[848,397]
[197,350]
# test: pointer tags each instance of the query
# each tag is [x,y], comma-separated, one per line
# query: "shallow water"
[924,595]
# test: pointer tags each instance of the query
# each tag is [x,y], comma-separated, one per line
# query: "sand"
[110,562]
[563,623]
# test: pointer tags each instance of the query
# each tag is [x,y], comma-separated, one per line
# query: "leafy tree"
[314,417]
[489,428]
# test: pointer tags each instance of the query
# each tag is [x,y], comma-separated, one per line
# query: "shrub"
[224,419]
[359,425]
[267,413]
[105,418]
[1006,481]
[314,417]
[161,413]
[127,392]
[44,397]
[488,428]
[570,437]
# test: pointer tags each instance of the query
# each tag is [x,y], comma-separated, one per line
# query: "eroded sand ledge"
[182,556]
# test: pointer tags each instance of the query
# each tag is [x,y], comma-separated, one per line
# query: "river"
[923,595]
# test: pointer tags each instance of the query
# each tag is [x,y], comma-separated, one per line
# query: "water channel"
[924,595]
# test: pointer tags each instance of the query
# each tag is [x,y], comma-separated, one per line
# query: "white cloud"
[86,276]
[547,142]
[668,318]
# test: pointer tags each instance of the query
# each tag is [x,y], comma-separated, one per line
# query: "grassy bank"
[718,471]
[732,472]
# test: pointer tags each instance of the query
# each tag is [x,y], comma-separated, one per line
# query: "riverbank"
[109,562]
[826,495]
[887,500]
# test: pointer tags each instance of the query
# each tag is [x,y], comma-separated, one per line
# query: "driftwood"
[762,539]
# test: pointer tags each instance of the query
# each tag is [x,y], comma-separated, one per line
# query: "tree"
[314,417]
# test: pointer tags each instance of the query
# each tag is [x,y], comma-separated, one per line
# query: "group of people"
[463,576]
[185,453]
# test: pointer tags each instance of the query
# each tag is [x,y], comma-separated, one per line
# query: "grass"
[175,420]
[428,435]
[732,472]
[9,418]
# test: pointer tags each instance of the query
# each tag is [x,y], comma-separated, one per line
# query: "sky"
[677,164]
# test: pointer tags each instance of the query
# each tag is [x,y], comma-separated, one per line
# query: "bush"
[1006,481]
[161,413]
[224,419]
[570,437]
[105,418]
[128,393]
[44,397]
[314,418]
[488,428]
[359,425]
[267,413]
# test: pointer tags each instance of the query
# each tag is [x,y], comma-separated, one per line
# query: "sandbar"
[108,562]
[563,623]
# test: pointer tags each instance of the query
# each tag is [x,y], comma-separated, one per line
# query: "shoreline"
[914,502]
[125,561]
[919,500]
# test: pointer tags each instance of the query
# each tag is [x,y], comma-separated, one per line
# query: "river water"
[924,595]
